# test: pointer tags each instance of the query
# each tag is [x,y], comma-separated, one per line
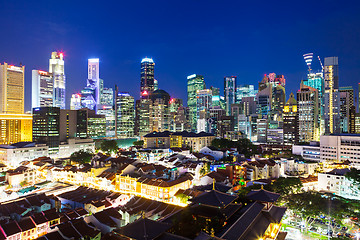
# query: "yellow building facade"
[15,128]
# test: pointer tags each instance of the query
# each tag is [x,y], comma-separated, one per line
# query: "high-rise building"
[308,113]
[179,120]
[93,80]
[106,107]
[88,98]
[331,96]
[346,104]
[203,104]
[229,93]
[42,89]
[56,68]
[245,91]
[11,89]
[215,96]
[15,128]
[75,101]
[194,83]
[290,121]
[89,124]
[125,115]
[159,120]
[175,103]
[147,84]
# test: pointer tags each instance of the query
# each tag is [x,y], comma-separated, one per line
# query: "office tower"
[261,127]
[15,128]
[88,98]
[106,107]
[56,68]
[331,96]
[159,111]
[346,103]
[290,121]
[226,126]
[93,80]
[142,117]
[248,105]
[358,100]
[179,120]
[352,120]
[236,110]
[316,80]
[89,124]
[308,113]
[215,96]
[271,96]
[125,115]
[147,84]
[203,104]
[229,93]
[42,89]
[11,89]
[75,101]
[175,103]
[245,91]
[194,83]
[263,100]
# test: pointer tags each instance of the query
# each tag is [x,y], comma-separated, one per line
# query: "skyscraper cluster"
[263,115]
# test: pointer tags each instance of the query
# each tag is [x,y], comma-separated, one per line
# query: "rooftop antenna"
[308,57]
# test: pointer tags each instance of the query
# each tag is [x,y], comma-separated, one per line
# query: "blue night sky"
[212,38]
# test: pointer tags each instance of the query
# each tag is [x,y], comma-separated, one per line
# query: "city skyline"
[218,50]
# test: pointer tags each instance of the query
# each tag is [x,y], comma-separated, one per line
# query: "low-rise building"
[293,167]
[336,182]
[167,139]
[12,155]
[309,152]
[21,176]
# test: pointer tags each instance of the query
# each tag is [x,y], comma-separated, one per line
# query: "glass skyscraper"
[56,67]
[147,84]
[229,93]
[194,83]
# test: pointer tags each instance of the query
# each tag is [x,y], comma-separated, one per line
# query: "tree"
[81,156]
[109,146]
[205,169]
[139,143]
[354,175]
[306,205]
[286,186]
[243,146]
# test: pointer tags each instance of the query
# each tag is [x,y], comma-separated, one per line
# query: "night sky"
[212,38]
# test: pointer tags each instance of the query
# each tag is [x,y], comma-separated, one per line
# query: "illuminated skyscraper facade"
[159,120]
[11,89]
[93,81]
[331,96]
[308,113]
[56,68]
[229,93]
[245,91]
[346,106]
[147,84]
[124,115]
[194,83]
[290,121]
[75,101]
[42,89]
[15,128]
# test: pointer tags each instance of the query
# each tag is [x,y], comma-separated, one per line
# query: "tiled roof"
[144,229]
[26,224]
[106,216]
[214,198]
[262,195]
[11,228]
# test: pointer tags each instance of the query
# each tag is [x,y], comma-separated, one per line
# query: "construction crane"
[322,67]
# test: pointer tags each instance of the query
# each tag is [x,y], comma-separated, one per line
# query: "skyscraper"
[194,83]
[308,113]
[229,93]
[147,84]
[56,67]
[346,104]
[203,104]
[124,115]
[11,89]
[159,120]
[75,101]
[93,80]
[331,96]
[290,121]
[245,91]
[42,89]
